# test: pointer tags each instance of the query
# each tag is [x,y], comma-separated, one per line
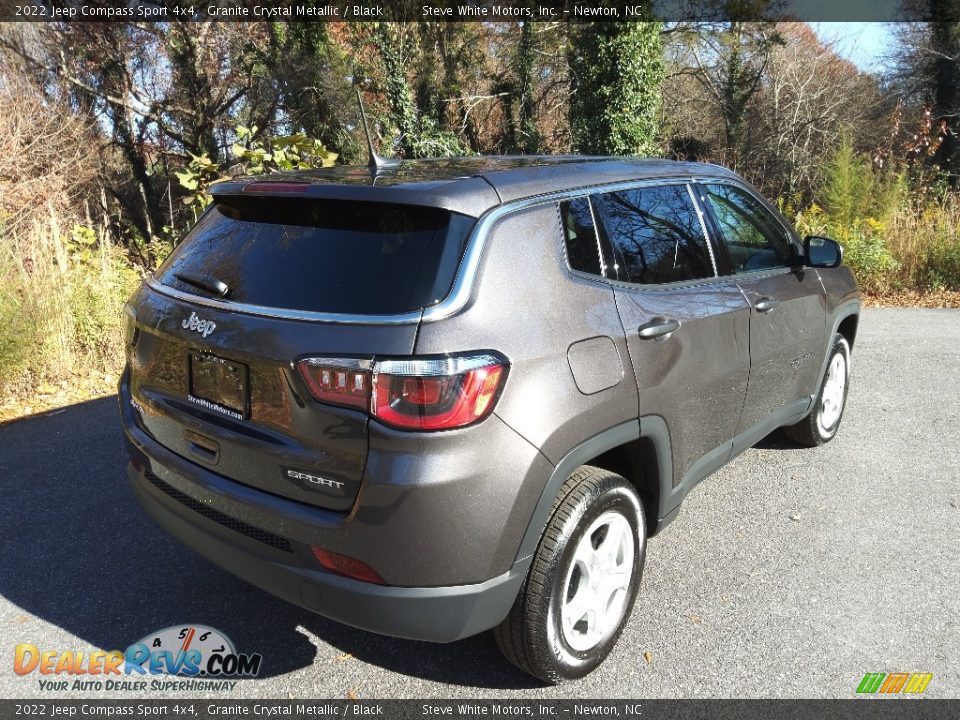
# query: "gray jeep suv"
[461,394]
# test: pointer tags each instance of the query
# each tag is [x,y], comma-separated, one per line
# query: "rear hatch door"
[257,284]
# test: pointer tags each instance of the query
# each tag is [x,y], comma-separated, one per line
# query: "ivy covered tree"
[403,111]
[616,73]
[301,69]
[528,139]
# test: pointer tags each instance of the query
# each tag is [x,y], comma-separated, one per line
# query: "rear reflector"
[410,394]
[348,566]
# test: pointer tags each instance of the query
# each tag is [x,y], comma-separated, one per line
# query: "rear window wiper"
[204,282]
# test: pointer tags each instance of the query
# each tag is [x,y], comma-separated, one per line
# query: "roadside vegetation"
[110,136]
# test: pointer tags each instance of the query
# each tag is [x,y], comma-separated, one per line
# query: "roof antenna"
[376,163]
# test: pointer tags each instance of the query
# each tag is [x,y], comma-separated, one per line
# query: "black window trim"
[703,228]
[596,235]
[589,192]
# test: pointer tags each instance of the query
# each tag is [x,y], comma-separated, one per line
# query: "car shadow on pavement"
[777,441]
[81,555]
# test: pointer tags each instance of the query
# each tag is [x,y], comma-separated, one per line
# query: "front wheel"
[821,425]
[583,581]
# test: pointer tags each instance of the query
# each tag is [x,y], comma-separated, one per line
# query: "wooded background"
[110,133]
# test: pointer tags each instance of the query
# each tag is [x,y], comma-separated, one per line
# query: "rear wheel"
[821,425]
[583,581]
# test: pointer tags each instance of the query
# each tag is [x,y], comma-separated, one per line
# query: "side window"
[656,235]
[752,237]
[583,252]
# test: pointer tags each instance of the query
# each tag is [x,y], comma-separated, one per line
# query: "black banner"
[471,10]
[870,709]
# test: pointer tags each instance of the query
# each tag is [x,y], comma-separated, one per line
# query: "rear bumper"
[266,540]
[436,614]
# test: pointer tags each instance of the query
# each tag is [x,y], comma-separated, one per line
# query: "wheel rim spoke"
[834,387]
[598,582]
[579,608]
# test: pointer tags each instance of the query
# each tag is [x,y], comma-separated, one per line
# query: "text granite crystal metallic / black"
[459,395]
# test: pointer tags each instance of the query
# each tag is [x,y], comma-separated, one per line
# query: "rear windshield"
[321,255]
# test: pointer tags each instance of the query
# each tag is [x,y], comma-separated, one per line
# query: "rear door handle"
[658,327]
[765,304]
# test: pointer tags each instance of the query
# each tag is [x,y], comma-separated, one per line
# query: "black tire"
[811,431]
[531,637]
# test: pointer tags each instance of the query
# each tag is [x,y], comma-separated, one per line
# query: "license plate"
[220,385]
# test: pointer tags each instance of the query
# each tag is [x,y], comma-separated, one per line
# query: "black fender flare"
[840,313]
[652,427]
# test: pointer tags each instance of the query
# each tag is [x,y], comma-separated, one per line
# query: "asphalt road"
[789,573]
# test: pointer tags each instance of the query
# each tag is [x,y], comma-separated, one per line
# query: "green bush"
[941,266]
[864,247]
[893,240]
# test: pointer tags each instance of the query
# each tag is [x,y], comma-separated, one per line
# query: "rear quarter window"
[580,236]
[318,255]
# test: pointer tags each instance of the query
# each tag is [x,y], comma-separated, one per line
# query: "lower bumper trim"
[436,614]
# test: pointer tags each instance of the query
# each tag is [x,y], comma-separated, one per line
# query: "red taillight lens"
[340,381]
[436,394]
[348,566]
[413,394]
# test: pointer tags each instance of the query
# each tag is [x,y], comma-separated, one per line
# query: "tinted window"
[656,235]
[323,255]
[580,235]
[752,236]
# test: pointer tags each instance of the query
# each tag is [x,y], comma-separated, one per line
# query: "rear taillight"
[436,394]
[412,394]
[339,381]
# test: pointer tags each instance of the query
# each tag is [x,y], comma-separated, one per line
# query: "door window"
[656,234]
[752,238]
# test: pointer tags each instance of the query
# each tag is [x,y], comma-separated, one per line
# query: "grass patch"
[62,290]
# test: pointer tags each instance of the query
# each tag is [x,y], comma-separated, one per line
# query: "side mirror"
[821,252]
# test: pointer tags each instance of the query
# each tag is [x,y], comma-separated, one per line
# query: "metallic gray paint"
[435,509]
[595,364]
[696,377]
[785,343]
[526,305]
[466,508]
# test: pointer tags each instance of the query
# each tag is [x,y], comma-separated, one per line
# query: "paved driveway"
[790,573]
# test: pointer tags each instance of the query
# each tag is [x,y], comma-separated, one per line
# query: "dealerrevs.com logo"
[204,656]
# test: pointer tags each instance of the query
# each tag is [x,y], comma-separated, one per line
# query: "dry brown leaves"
[47,398]
[912,298]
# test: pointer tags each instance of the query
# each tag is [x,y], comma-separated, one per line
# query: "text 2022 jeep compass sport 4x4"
[461,395]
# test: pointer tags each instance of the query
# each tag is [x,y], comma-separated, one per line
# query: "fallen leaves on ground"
[47,396]
[648,656]
[912,298]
